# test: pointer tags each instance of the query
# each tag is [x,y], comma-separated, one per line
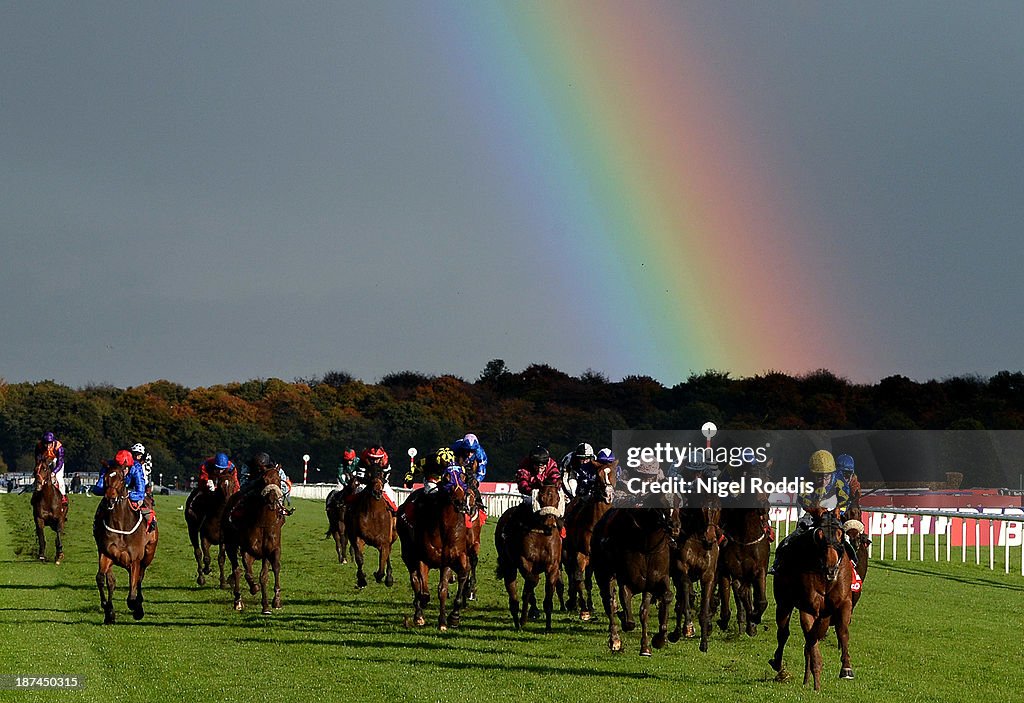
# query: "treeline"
[509,411]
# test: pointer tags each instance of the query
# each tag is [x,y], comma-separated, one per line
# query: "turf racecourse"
[921,633]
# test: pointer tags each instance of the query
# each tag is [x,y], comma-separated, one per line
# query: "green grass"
[922,632]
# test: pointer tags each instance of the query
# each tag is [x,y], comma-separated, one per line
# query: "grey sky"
[210,192]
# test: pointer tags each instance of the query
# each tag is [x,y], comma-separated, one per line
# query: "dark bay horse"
[743,559]
[48,510]
[204,515]
[632,554]
[252,530]
[581,517]
[122,538]
[368,521]
[336,507]
[816,580]
[438,539]
[695,558]
[530,544]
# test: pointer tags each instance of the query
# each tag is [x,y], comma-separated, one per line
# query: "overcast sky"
[208,192]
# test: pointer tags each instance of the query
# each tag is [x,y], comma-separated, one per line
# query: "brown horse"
[122,538]
[204,515]
[695,558]
[632,553]
[816,580]
[743,561]
[855,532]
[530,544]
[48,509]
[368,521]
[252,530]
[581,517]
[336,508]
[477,517]
[438,539]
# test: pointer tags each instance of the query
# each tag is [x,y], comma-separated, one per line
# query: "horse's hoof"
[238,605]
[783,676]
[777,665]
[419,621]
[443,628]
[138,614]
[703,646]
[224,586]
[645,652]
[378,577]
[674,636]
[723,625]
[691,631]
[254,589]
[534,614]
[206,570]
[42,557]
[751,630]
[360,581]
[472,596]
[108,620]
[276,605]
[268,611]
[59,559]
[846,673]
[585,615]
[201,581]
[615,644]
[659,641]
[389,581]
[628,626]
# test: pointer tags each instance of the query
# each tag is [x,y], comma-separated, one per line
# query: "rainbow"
[615,123]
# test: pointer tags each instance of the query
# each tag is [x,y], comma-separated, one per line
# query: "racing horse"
[632,553]
[530,543]
[204,516]
[437,538]
[695,557]
[816,580]
[336,507]
[477,516]
[580,520]
[743,559]
[48,510]
[368,521]
[252,530]
[122,538]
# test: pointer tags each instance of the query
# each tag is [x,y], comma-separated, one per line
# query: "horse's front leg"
[608,589]
[197,551]
[221,556]
[843,634]
[105,585]
[134,591]
[60,543]
[814,630]
[264,569]
[677,633]
[529,598]
[724,610]
[707,585]
[358,548]
[207,559]
[663,604]
[626,606]
[462,581]
[247,562]
[645,608]
[687,596]
[554,578]
[783,614]
[442,597]
[41,536]
[275,564]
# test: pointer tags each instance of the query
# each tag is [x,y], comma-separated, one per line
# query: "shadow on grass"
[982,581]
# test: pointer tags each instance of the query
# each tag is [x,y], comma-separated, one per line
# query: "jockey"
[134,481]
[534,472]
[829,492]
[349,463]
[218,463]
[440,469]
[845,472]
[50,449]
[469,446]
[579,471]
[375,458]
[142,456]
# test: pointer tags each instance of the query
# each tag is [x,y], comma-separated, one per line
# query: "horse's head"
[222,479]
[607,475]
[43,472]
[711,514]
[376,482]
[114,488]
[828,539]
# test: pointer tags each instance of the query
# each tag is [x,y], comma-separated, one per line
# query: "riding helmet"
[822,462]
[49,437]
[138,448]
[540,455]
[605,456]
[349,454]
[845,462]
[124,458]
[584,451]
[221,460]
[262,459]
[471,441]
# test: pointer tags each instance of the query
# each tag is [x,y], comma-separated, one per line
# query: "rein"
[123,532]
